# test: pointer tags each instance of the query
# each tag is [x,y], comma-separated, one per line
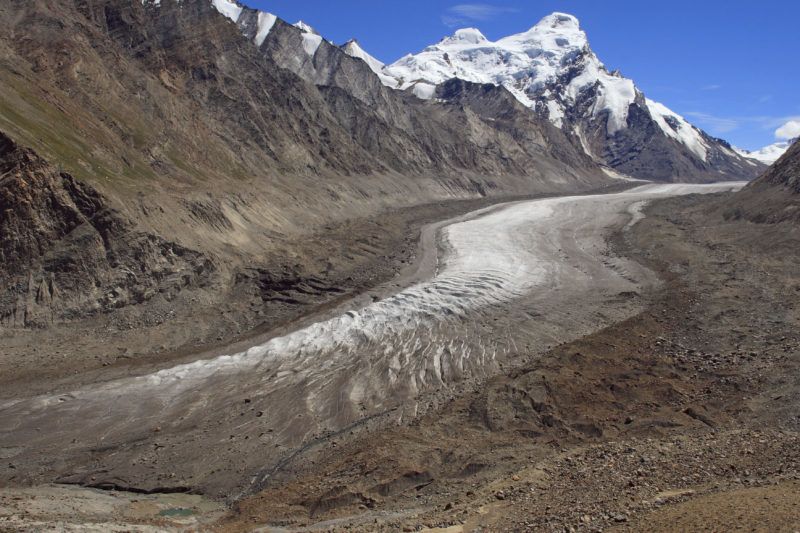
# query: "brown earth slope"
[774,196]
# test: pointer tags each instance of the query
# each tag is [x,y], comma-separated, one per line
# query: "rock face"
[150,145]
[65,253]
[773,197]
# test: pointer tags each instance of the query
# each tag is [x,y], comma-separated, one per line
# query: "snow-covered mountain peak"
[521,61]
[525,63]
[465,36]
[550,68]
[554,32]
[559,20]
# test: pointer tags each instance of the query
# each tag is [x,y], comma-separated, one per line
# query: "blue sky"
[730,67]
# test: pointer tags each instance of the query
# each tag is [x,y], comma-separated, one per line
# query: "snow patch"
[615,96]
[555,113]
[614,174]
[265,23]
[353,49]
[311,39]
[230,9]
[311,42]
[584,144]
[305,28]
[676,127]
[424,91]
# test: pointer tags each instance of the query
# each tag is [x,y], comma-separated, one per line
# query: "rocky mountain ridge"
[552,70]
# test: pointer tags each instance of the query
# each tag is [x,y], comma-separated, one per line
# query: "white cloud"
[465,13]
[714,87]
[788,126]
[789,130]
[717,125]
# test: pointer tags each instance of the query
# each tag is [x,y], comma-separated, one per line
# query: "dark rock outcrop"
[65,253]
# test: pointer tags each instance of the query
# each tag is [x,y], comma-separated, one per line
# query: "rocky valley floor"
[684,416]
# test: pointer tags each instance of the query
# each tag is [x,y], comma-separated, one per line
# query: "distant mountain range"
[768,154]
[552,70]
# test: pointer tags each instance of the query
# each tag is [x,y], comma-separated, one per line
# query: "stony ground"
[689,410]
[685,417]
